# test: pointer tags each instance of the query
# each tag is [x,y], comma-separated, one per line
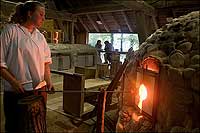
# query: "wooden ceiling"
[121,15]
[115,15]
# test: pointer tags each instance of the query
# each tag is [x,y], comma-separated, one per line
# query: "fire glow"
[142,94]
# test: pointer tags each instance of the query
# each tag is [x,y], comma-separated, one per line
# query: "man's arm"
[8,76]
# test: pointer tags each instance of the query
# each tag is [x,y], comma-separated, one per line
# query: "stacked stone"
[72,48]
[177,47]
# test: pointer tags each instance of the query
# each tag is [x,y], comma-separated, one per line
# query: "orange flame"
[142,94]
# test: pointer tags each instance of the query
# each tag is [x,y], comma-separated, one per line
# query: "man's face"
[38,16]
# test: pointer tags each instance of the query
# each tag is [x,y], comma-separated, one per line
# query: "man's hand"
[18,87]
[50,88]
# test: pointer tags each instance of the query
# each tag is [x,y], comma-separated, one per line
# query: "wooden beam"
[51,5]
[72,32]
[114,19]
[76,27]
[103,22]
[127,21]
[100,9]
[92,22]
[137,5]
[120,6]
[141,26]
[81,21]
[62,15]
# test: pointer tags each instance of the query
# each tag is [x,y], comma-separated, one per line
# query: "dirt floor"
[57,120]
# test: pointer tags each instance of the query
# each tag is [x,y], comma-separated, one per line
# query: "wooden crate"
[88,72]
[102,70]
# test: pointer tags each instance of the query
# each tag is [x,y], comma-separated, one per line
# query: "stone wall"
[176,45]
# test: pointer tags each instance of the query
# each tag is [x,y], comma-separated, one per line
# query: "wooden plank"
[81,21]
[100,9]
[92,22]
[76,27]
[115,20]
[137,6]
[127,21]
[103,22]
[61,15]
[89,73]
[73,103]
[72,32]
[117,7]
[141,27]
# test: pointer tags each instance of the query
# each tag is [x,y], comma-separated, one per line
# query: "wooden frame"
[155,94]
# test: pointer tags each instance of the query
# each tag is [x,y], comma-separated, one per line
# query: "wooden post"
[72,32]
[101,110]
[141,26]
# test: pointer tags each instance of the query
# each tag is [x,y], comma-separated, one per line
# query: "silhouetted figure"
[108,49]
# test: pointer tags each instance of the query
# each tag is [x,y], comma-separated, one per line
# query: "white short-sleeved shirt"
[24,54]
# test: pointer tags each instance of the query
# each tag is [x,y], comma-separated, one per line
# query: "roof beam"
[118,6]
[137,5]
[127,21]
[81,21]
[92,22]
[62,15]
[103,22]
[100,9]
[114,19]
[76,27]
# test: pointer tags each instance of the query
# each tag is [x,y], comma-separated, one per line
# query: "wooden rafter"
[141,26]
[69,3]
[81,21]
[76,27]
[114,19]
[137,5]
[100,9]
[62,15]
[103,22]
[127,21]
[92,22]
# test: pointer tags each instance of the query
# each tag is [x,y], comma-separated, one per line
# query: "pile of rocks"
[177,46]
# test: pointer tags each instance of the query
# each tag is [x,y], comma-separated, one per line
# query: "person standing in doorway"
[108,49]
[24,60]
[98,47]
